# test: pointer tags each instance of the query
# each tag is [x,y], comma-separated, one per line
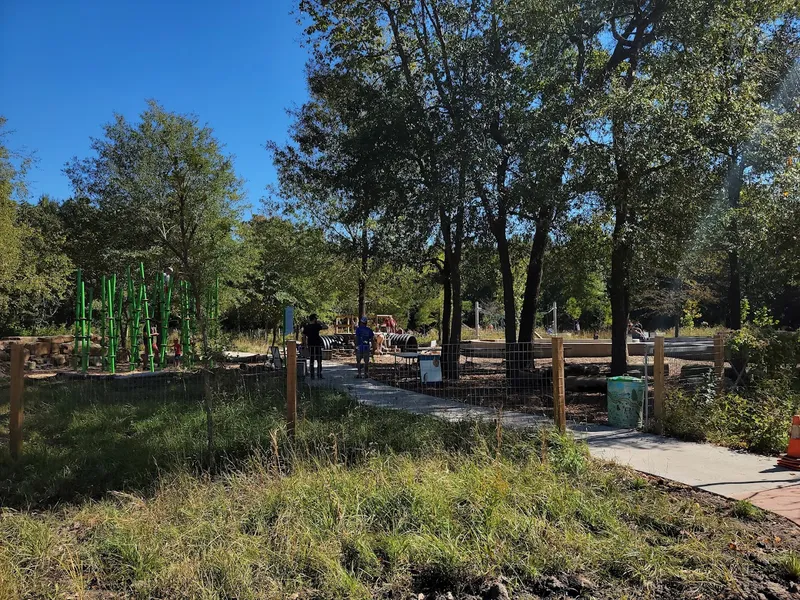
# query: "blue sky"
[66,67]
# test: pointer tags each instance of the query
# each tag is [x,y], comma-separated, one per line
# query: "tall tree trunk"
[619,292]
[453,240]
[533,281]
[507,274]
[447,305]
[734,193]
[362,275]
[621,254]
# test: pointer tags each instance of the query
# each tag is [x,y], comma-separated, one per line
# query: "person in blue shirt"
[364,337]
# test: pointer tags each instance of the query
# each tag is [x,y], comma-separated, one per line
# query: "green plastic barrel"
[625,400]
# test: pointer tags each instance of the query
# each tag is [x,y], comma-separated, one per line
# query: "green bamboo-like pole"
[186,323]
[135,316]
[118,307]
[78,331]
[86,328]
[147,333]
[165,306]
[103,323]
[111,358]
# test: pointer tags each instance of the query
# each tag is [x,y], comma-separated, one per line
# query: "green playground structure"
[127,309]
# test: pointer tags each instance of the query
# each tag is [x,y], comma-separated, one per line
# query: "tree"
[337,172]
[33,270]
[293,265]
[165,191]
[754,125]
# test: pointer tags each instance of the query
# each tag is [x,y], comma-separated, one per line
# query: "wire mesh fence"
[486,374]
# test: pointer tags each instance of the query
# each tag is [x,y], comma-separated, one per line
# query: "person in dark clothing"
[313,341]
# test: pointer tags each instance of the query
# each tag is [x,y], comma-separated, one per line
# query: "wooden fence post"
[559,407]
[209,408]
[17,388]
[658,382]
[719,359]
[291,387]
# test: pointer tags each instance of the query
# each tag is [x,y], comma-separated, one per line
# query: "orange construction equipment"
[792,458]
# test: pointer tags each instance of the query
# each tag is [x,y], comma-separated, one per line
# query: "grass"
[790,565]
[743,509]
[115,495]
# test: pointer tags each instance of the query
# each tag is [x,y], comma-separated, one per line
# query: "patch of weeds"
[742,509]
[789,565]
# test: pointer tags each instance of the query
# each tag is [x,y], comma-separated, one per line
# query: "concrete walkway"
[719,470]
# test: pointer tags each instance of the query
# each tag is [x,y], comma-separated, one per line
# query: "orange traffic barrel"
[791,459]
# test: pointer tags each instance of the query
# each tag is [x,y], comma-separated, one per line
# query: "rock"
[4,356]
[43,348]
[551,585]
[794,587]
[95,349]
[775,591]
[59,360]
[95,361]
[30,365]
[62,339]
[496,591]
[580,583]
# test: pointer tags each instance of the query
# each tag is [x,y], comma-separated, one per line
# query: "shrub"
[757,419]
[686,415]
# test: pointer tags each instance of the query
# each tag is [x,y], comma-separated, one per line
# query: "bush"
[757,414]
[757,420]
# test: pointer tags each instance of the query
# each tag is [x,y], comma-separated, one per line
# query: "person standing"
[364,337]
[313,341]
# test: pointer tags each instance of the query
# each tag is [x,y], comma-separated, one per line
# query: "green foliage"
[161,190]
[763,318]
[362,501]
[743,509]
[756,420]
[573,309]
[789,564]
[745,310]
[691,313]
[293,265]
[768,355]
[33,269]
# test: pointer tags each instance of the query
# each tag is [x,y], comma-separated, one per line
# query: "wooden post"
[291,387]
[559,407]
[658,382]
[209,408]
[719,359]
[16,414]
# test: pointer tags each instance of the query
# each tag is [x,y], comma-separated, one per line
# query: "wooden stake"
[559,395]
[719,359]
[17,388]
[658,382]
[291,387]
[209,407]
